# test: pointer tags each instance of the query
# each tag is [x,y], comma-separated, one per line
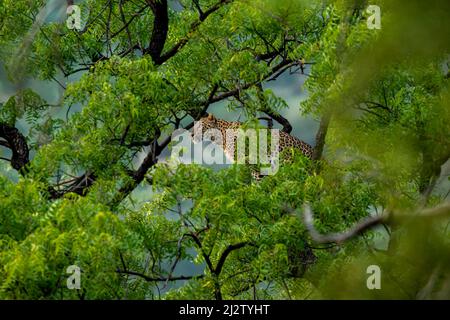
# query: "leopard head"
[203,125]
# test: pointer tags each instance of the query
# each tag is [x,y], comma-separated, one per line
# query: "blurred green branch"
[368,223]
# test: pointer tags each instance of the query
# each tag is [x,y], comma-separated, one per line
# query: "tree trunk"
[321,136]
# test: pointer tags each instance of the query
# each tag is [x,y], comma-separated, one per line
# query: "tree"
[146,68]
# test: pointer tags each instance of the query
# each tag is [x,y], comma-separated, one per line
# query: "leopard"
[228,142]
[300,257]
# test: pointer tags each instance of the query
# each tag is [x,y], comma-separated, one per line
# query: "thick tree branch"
[321,136]
[15,141]
[5,144]
[160,29]
[199,9]
[225,255]
[442,210]
[362,226]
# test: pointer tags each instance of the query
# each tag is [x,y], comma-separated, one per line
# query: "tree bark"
[287,127]
[15,141]
[321,136]
[160,29]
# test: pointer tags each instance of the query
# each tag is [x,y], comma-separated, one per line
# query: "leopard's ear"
[211,117]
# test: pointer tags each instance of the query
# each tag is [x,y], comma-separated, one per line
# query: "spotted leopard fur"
[286,141]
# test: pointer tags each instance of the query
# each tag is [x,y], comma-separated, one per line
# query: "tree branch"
[321,135]
[15,141]
[126,24]
[158,279]
[5,144]
[225,255]
[439,211]
[287,127]
[281,67]
[160,29]
[362,226]
[194,27]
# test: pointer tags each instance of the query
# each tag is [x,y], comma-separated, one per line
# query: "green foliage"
[204,233]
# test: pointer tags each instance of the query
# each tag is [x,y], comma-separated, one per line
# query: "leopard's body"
[228,142]
[299,258]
